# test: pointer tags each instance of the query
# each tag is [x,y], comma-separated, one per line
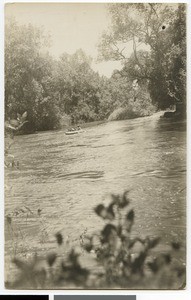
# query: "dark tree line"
[54,91]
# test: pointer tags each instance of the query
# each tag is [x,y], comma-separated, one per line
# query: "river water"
[65,177]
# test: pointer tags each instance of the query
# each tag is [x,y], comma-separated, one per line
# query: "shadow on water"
[165,124]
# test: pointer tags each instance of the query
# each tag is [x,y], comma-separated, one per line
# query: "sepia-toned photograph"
[95,146]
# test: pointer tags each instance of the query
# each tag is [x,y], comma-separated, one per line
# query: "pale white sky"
[71,26]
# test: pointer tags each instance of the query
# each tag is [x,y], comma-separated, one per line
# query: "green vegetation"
[67,90]
[120,260]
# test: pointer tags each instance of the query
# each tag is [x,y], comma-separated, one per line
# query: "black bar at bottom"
[24,297]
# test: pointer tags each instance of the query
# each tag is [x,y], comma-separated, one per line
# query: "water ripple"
[85,174]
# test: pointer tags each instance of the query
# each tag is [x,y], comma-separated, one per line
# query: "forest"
[65,91]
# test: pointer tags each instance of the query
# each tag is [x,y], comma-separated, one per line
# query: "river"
[62,178]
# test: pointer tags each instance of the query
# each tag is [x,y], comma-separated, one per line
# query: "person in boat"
[71,129]
[75,128]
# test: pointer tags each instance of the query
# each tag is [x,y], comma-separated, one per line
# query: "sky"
[71,26]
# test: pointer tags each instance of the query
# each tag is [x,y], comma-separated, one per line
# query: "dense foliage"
[53,92]
[67,90]
[77,87]
[27,76]
[161,28]
[46,89]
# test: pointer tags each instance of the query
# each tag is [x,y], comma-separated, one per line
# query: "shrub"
[122,261]
[141,106]
[131,262]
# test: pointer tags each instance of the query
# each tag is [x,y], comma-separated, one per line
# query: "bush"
[139,104]
[132,111]
[122,261]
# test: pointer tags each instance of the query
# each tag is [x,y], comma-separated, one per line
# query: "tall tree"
[28,70]
[174,63]
[150,24]
[77,87]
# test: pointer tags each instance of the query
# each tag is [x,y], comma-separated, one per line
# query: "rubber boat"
[71,132]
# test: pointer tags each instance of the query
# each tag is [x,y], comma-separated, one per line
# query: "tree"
[140,23]
[77,87]
[175,61]
[28,71]
[150,24]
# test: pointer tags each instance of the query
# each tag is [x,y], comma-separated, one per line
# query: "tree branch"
[153,9]
[119,52]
